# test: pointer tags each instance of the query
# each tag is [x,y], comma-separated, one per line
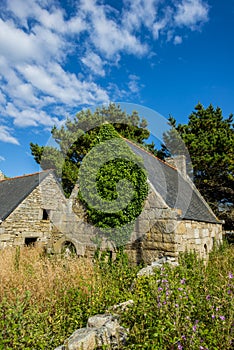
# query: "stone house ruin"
[175,218]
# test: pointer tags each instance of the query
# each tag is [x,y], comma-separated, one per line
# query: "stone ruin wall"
[159,230]
[26,221]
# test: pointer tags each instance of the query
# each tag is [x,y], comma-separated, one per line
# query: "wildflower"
[180,347]
[222,318]
[176,305]
[194,328]
[180,289]
[160,289]
[183,337]
[183,281]
[164,281]
[208,297]
[229,291]
[213,316]
[230,275]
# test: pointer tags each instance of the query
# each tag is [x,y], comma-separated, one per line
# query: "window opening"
[30,241]
[45,214]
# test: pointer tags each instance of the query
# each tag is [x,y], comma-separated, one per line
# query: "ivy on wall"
[113,185]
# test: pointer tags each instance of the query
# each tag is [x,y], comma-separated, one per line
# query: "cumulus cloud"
[94,63]
[191,13]
[2,159]
[5,135]
[177,40]
[40,38]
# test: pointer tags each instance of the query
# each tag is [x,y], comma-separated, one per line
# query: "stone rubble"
[104,329]
[101,330]
[149,269]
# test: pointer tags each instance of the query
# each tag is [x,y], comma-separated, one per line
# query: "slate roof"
[13,191]
[176,191]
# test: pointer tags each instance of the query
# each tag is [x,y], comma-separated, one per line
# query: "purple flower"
[180,289]
[222,318]
[229,291]
[194,328]
[183,281]
[180,347]
[160,289]
[176,305]
[230,275]
[213,316]
[183,337]
[164,281]
[208,297]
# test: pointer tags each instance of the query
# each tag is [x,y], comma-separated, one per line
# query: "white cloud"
[141,12]
[38,40]
[177,40]
[94,62]
[5,135]
[133,84]
[107,35]
[2,159]
[191,13]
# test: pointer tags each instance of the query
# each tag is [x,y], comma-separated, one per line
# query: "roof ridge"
[27,175]
[151,154]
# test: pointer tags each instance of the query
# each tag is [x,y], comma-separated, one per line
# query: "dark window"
[30,241]
[45,215]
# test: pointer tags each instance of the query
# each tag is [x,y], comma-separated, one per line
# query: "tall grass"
[44,299]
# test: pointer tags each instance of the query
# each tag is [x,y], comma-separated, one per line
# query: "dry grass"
[28,270]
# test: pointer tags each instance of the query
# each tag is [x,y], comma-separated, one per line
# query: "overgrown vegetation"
[121,182]
[75,139]
[44,299]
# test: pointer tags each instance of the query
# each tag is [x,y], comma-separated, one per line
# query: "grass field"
[44,299]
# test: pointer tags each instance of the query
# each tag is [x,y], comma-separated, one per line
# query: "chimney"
[179,162]
[2,177]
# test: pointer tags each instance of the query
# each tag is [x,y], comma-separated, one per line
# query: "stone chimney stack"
[179,162]
[2,177]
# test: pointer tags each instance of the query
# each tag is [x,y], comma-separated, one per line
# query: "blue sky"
[57,57]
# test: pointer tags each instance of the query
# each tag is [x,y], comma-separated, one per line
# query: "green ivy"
[113,185]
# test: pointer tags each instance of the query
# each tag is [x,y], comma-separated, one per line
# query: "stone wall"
[26,221]
[159,230]
[197,236]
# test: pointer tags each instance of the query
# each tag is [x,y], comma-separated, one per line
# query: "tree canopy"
[208,137]
[75,139]
[112,180]
[210,143]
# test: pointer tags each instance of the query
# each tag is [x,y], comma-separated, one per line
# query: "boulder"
[102,330]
